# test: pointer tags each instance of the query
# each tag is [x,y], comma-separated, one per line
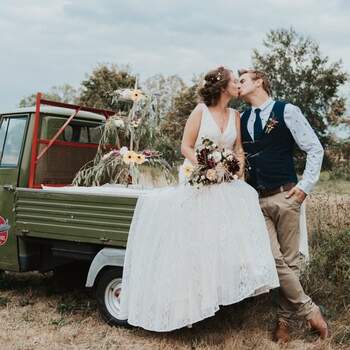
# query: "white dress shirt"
[303,135]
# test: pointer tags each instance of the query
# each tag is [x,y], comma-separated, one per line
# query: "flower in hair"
[213,79]
[219,76]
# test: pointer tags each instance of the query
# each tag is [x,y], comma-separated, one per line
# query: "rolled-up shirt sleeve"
[307,140]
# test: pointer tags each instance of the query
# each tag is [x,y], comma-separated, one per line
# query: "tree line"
[298,71]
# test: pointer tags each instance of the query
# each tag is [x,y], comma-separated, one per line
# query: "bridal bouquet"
[214,166]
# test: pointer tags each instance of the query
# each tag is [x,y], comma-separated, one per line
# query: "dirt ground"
[35,314]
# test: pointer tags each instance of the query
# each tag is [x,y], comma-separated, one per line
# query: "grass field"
[36,313]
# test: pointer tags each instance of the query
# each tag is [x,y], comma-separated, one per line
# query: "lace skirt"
[190,251]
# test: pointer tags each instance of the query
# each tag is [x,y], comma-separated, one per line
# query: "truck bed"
[92,215]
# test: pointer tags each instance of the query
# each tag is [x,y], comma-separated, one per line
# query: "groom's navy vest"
[269,159]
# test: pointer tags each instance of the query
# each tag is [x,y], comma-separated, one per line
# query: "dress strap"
[233,116]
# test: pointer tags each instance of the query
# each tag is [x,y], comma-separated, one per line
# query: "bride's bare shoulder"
[196,114]
[200,107]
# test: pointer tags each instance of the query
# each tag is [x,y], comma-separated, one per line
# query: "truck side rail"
[80,217]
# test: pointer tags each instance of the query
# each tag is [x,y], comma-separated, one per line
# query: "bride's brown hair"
[214,82]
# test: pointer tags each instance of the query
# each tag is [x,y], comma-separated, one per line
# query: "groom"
[270,130]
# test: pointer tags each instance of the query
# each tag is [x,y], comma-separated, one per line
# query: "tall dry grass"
[327,278]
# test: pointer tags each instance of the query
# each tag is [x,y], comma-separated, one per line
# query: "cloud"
[53,42]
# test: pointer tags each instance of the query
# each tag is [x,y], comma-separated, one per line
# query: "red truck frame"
[35,157]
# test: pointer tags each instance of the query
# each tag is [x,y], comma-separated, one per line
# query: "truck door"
[12,131]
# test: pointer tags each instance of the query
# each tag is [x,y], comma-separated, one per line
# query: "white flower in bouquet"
[118,123]
[188,170]
[124,150]
[227,153]
[130,157]
[216,156]
[211,175]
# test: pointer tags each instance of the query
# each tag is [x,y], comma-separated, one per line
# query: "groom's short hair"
[258,74]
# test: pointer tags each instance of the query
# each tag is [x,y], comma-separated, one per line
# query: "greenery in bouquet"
[125,149]
[214,165]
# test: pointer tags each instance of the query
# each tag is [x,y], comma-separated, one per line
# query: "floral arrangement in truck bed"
[125,154]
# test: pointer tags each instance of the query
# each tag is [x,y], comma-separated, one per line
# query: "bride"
[191,250]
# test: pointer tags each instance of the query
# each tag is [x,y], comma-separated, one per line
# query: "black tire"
[107,285]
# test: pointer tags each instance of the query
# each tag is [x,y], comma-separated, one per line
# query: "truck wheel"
[108,290]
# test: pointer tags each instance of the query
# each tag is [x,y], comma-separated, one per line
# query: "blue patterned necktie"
[258,130]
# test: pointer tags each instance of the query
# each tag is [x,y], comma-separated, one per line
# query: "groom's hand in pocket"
[298,194]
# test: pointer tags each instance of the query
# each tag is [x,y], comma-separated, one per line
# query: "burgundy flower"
[211,163]
[147,153]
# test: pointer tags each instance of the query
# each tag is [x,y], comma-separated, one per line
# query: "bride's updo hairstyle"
[214,82]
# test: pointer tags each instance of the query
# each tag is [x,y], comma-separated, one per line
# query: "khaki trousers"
[282,218]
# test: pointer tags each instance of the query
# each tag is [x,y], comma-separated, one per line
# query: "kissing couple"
[193,248]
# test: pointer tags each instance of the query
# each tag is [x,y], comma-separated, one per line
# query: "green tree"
[97,89]
[64,93]
[300,74]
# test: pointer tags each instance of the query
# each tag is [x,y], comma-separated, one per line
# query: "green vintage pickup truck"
[45,225]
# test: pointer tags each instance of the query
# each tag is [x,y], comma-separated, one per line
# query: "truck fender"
[105,257]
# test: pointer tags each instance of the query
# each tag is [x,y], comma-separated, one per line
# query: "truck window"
[12,141]
[95,134]
[3,128]
[82,131]
[82,134]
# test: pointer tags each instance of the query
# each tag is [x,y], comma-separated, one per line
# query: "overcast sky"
[52,42]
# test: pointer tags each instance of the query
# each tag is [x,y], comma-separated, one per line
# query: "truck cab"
[74,146]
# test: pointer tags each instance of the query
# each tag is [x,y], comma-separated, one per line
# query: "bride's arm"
[190,134]
[238,148]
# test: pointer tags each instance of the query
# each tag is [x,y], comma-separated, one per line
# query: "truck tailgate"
[79,217]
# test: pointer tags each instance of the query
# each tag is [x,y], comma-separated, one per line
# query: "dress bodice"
[210,129]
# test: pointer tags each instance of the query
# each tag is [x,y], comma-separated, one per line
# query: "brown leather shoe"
[281,333]
[319,325]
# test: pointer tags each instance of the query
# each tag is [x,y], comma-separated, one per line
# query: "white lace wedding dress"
[191,250]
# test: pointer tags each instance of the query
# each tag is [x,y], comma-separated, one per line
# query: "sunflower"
[130,157]
[136,95]
[140,158]
[188,170]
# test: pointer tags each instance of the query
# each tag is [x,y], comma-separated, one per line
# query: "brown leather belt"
[271,192]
